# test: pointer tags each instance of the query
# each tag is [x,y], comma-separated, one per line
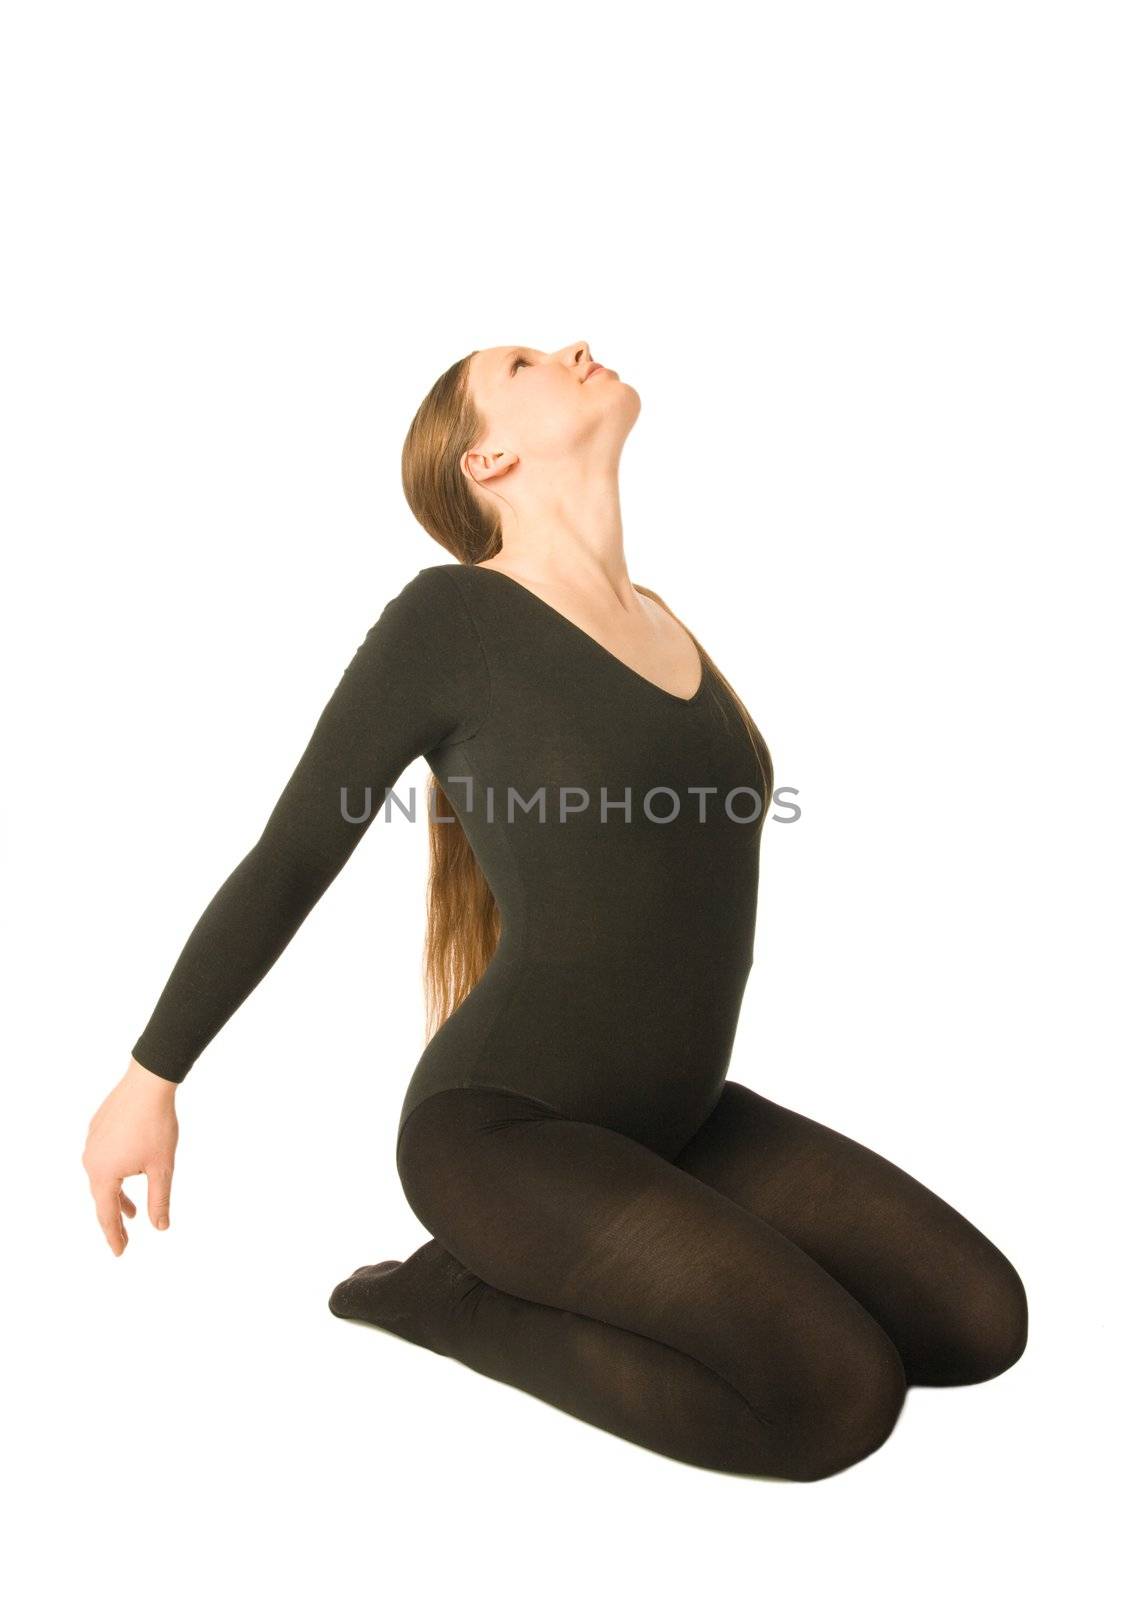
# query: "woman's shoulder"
[433,590]
[429,617]
[440,584]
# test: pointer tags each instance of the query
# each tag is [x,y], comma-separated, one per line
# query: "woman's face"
[538,405]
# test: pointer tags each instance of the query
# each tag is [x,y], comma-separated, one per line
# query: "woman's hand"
[133,1131]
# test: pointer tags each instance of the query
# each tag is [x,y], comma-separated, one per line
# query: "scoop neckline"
[668,694]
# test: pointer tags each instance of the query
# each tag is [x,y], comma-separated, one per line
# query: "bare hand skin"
[133,1131]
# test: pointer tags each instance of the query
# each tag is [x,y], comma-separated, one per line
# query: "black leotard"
[626,938]
[615,1227]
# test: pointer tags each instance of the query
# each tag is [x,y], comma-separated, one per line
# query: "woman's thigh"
[576,1216]
[951,1301]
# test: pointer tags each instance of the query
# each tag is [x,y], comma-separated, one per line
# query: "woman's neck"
[568,537]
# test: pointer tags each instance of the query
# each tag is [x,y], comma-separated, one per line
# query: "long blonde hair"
[463,919]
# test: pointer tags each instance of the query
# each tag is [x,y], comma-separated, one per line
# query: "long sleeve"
[417,681]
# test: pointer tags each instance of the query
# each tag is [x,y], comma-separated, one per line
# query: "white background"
[869,268]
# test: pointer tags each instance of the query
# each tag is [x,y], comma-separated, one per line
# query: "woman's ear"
[484,465]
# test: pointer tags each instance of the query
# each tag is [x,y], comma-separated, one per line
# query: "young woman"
[616,1227]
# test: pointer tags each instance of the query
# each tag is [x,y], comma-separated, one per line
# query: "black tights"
[757,1304]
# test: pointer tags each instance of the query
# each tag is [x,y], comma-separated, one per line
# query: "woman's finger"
[127,1204]
[106,1192]
[158,1182]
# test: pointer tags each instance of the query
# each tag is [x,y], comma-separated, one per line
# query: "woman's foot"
[412,1298]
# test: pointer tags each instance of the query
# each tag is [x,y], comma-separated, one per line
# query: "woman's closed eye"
[519,361]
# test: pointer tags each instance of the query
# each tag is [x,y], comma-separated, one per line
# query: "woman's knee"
[852,1411]
[832,1411]
[990,1330]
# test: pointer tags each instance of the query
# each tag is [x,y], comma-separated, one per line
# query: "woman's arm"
[417,681]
